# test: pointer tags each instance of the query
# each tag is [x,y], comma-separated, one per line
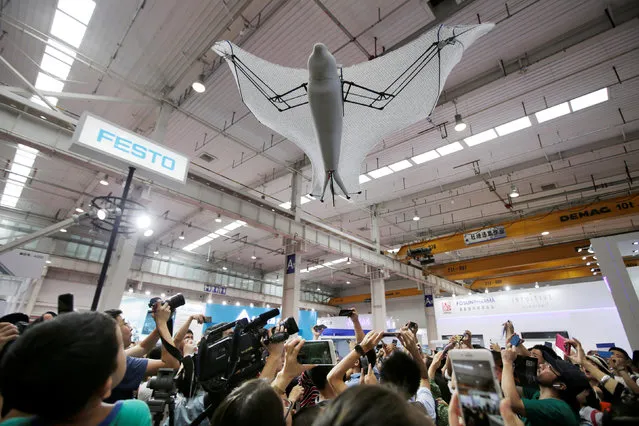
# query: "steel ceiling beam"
[28,83]
[84,96]
[30,130]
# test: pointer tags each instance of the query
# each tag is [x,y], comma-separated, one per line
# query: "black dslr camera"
[174,302]
[227,361]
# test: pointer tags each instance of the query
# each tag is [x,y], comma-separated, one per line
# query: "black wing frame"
[351,92]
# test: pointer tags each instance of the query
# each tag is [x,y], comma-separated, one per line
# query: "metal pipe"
[84,96]
[28,83]
[112,238]
[19,242]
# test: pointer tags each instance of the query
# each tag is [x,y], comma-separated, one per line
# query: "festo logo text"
[136,150]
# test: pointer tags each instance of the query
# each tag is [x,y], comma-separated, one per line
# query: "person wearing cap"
[621,363]
[556,401]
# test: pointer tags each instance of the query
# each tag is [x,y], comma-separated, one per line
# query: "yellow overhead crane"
[534,225]
[546,257]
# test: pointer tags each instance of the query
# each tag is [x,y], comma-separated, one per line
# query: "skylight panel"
[400,165]
[82,10]
[60,52]
[513,126]
[381,172]
[590,99]
[67,29]
[233,226]
[426,156]
[55,67]
[481,137]
[363,179]
[450,148]
[49,84]
[222,231]
[552,112]
[286,205]
[304,199]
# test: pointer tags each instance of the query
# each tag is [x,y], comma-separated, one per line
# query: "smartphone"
[345,312]
[208,319]
[515,340]
[548,344]
[390,335]
[65,303]
[560,342]
[394,341]
[525,371]
[318,352]
[477,385]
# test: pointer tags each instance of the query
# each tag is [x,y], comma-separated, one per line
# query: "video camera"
[227,361]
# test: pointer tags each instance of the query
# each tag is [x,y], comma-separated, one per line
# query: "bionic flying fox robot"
[337,115]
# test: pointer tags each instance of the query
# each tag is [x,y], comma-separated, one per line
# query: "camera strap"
[175,353]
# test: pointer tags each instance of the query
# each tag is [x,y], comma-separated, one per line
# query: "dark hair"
[254,403]
[371,405]
[155,353]
[307,415]
[189,331]
[545,349]
[53,369]
[113,313]
[401,370]
[318,375]
[623,351]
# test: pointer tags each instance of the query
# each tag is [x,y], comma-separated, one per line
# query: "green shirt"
[547,412]
[131,412]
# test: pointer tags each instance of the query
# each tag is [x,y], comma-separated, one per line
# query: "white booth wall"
[585,310]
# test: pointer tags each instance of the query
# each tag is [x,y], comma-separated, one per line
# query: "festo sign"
[130,148]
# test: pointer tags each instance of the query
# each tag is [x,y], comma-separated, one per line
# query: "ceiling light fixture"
[209,300]
[63,230]
[102,214]
[148,293]
[426,156]
[507,288]
[514,192]
[181,236]
[536,285]
[486,290]
[460,126]
[157,250]
[237,303]
[198,85]
[449,149]
[545,233]
[79,209]
[587,263]
[105,180]
[513,126]
[589,99]
[162,295]
[584,258]
[48,262]
[400,165]
[253,256]
[143,221]
[381,172]
[218,219]
[319,289]
[224,268]
[416,217]
[481,137]
[348,282]
[552,112]
[148,232]
[224,302]
[130,289]
[252,305]
[348,261]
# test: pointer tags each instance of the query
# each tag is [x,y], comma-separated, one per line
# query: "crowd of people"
[83,369]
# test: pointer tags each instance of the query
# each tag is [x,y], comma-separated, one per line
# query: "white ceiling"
[550,52]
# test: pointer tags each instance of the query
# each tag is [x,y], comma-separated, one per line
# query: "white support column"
[378,288]
[431,321]
[118,273]
[623,293]
[33,297]
[293,260]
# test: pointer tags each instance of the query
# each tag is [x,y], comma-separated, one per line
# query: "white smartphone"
[477,386]
[318,352]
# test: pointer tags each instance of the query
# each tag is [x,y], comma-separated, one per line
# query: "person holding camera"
[185,333]
[138,368]
[59,373]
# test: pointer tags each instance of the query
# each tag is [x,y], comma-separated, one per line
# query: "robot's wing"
[391,92]
[277,97]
